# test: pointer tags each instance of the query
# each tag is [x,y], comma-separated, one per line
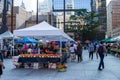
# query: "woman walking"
[79,52]
[72,52]
[91,51]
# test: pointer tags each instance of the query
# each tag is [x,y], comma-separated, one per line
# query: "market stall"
[6,34]
[42,31]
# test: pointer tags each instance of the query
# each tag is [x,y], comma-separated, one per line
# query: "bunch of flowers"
[61,66]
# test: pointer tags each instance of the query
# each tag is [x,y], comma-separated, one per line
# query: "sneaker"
[103,68]
[99,69]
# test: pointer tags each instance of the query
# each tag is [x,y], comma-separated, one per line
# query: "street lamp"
[64,16]
[37,13]
[12,16]
[4,18]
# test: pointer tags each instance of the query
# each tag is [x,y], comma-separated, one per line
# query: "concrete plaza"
[86,70]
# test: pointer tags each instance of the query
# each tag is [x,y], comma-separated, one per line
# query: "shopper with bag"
[101,51]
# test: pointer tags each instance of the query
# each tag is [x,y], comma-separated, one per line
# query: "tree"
[88,23]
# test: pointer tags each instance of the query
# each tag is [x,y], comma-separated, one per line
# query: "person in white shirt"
[72,52]
[75,48]
[29,51]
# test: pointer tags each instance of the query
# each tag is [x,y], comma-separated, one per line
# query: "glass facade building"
[99,6]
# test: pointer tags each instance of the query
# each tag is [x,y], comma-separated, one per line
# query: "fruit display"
[41,55]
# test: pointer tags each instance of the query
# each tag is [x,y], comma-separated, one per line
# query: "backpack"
[100,49]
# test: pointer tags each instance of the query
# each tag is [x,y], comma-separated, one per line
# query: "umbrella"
[87,41]
[29,40]
[108,40]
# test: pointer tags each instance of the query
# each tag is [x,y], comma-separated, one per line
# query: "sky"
[77,4]
[108,1]
[31,4]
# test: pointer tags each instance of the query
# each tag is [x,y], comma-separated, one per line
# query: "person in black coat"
[1,64]
[79,52]
[101,51]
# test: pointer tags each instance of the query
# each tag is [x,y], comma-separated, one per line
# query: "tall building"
[113,18]
[1,9]
[41,17]
[1,5]
[70,5]
[20,15]
[45,6]
[94,5]
[22,5]
[99,6]
[3,15]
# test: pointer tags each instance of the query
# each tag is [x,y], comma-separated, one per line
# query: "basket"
[62,70]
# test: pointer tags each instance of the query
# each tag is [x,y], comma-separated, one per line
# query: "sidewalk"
[86,70]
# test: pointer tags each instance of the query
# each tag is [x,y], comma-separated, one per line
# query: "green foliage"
[88,23]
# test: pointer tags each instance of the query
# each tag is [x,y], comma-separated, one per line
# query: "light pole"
[4,18]
[64,15]
[37,13]
[12,15]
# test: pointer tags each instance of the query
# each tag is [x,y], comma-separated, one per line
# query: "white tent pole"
[13,47]
[60,44]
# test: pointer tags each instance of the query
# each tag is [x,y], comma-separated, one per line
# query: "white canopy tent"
[116,38]
[42,30]
[6,34]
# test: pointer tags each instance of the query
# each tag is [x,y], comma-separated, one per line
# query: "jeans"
[79,57]
[91,54]
[101,64]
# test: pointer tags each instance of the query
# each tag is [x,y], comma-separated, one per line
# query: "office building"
[99,6]
[113,18]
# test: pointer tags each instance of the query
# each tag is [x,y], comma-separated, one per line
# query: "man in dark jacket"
[79,52]
[101,51]
[1,64]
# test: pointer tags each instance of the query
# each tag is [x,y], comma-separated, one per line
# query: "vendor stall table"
[38,59]
[29,60]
